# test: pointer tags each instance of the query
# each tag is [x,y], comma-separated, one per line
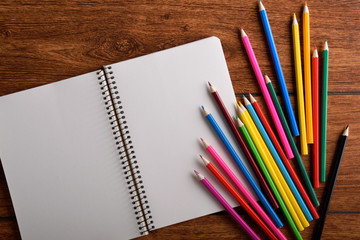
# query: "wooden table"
[45,42]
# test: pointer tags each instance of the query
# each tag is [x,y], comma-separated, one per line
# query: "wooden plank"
[50,41]
[9,229]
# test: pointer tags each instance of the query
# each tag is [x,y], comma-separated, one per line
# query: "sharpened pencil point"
[243,34]
[346,131]
[261,6]
[252,99]
[326,47]
[202,107]
[201,177]
[205,144]
[206,162]
[209,84]
[246,101]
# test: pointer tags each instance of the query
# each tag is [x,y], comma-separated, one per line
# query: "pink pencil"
[243,190]
[265,92]
[227,206]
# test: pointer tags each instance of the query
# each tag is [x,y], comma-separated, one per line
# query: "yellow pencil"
[299,86]
[284,190]
[307,75]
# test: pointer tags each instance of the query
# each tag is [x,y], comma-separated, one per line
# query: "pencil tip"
[196,172]
[201,139]
[209,84]
[202,107]
[346,131]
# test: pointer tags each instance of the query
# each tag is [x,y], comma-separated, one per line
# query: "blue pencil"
[242,167]
[276,156]
[278,70]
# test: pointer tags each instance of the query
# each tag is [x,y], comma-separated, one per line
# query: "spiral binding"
[125,149]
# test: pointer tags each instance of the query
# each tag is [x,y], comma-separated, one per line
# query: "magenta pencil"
[243,190]
[268,100]
[226,205]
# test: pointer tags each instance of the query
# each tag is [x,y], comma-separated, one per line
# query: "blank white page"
[61,164]
[161,95]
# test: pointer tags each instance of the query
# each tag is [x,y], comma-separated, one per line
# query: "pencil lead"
[209,84]
[265,74]
[202,107]
[196,172]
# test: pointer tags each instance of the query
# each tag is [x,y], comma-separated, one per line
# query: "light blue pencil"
[278,70]
[242,167]
[276,156]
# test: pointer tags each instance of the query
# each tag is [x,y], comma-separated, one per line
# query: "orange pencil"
[238,198]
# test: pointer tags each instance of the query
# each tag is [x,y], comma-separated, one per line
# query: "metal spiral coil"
[125,149]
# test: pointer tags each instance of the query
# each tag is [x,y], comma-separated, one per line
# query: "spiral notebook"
[110,154]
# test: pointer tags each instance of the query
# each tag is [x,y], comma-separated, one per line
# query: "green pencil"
[325,56]
[251,145]
[308,184]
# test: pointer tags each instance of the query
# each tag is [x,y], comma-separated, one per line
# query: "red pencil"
[283,157]
[315,91]
[244,147]
[238,198]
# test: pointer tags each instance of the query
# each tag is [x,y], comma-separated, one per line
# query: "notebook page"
[61,164]
[161,95]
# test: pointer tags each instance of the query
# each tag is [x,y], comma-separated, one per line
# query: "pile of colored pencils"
[268,155]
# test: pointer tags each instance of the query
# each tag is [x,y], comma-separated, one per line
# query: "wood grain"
[43,42]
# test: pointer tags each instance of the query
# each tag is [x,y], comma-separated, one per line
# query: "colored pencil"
[227,206]
[241,188]
[245,149]
[337,161]
[299,86]
[315,90]
[282,155]
[273,169]
[239,199]
[242,167]
[242,128]
[307,75]
[269,162]
[309,188]
[269,103]
[325,56]
[288,184]
[278,70]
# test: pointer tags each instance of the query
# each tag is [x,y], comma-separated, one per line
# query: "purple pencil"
[226,205]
